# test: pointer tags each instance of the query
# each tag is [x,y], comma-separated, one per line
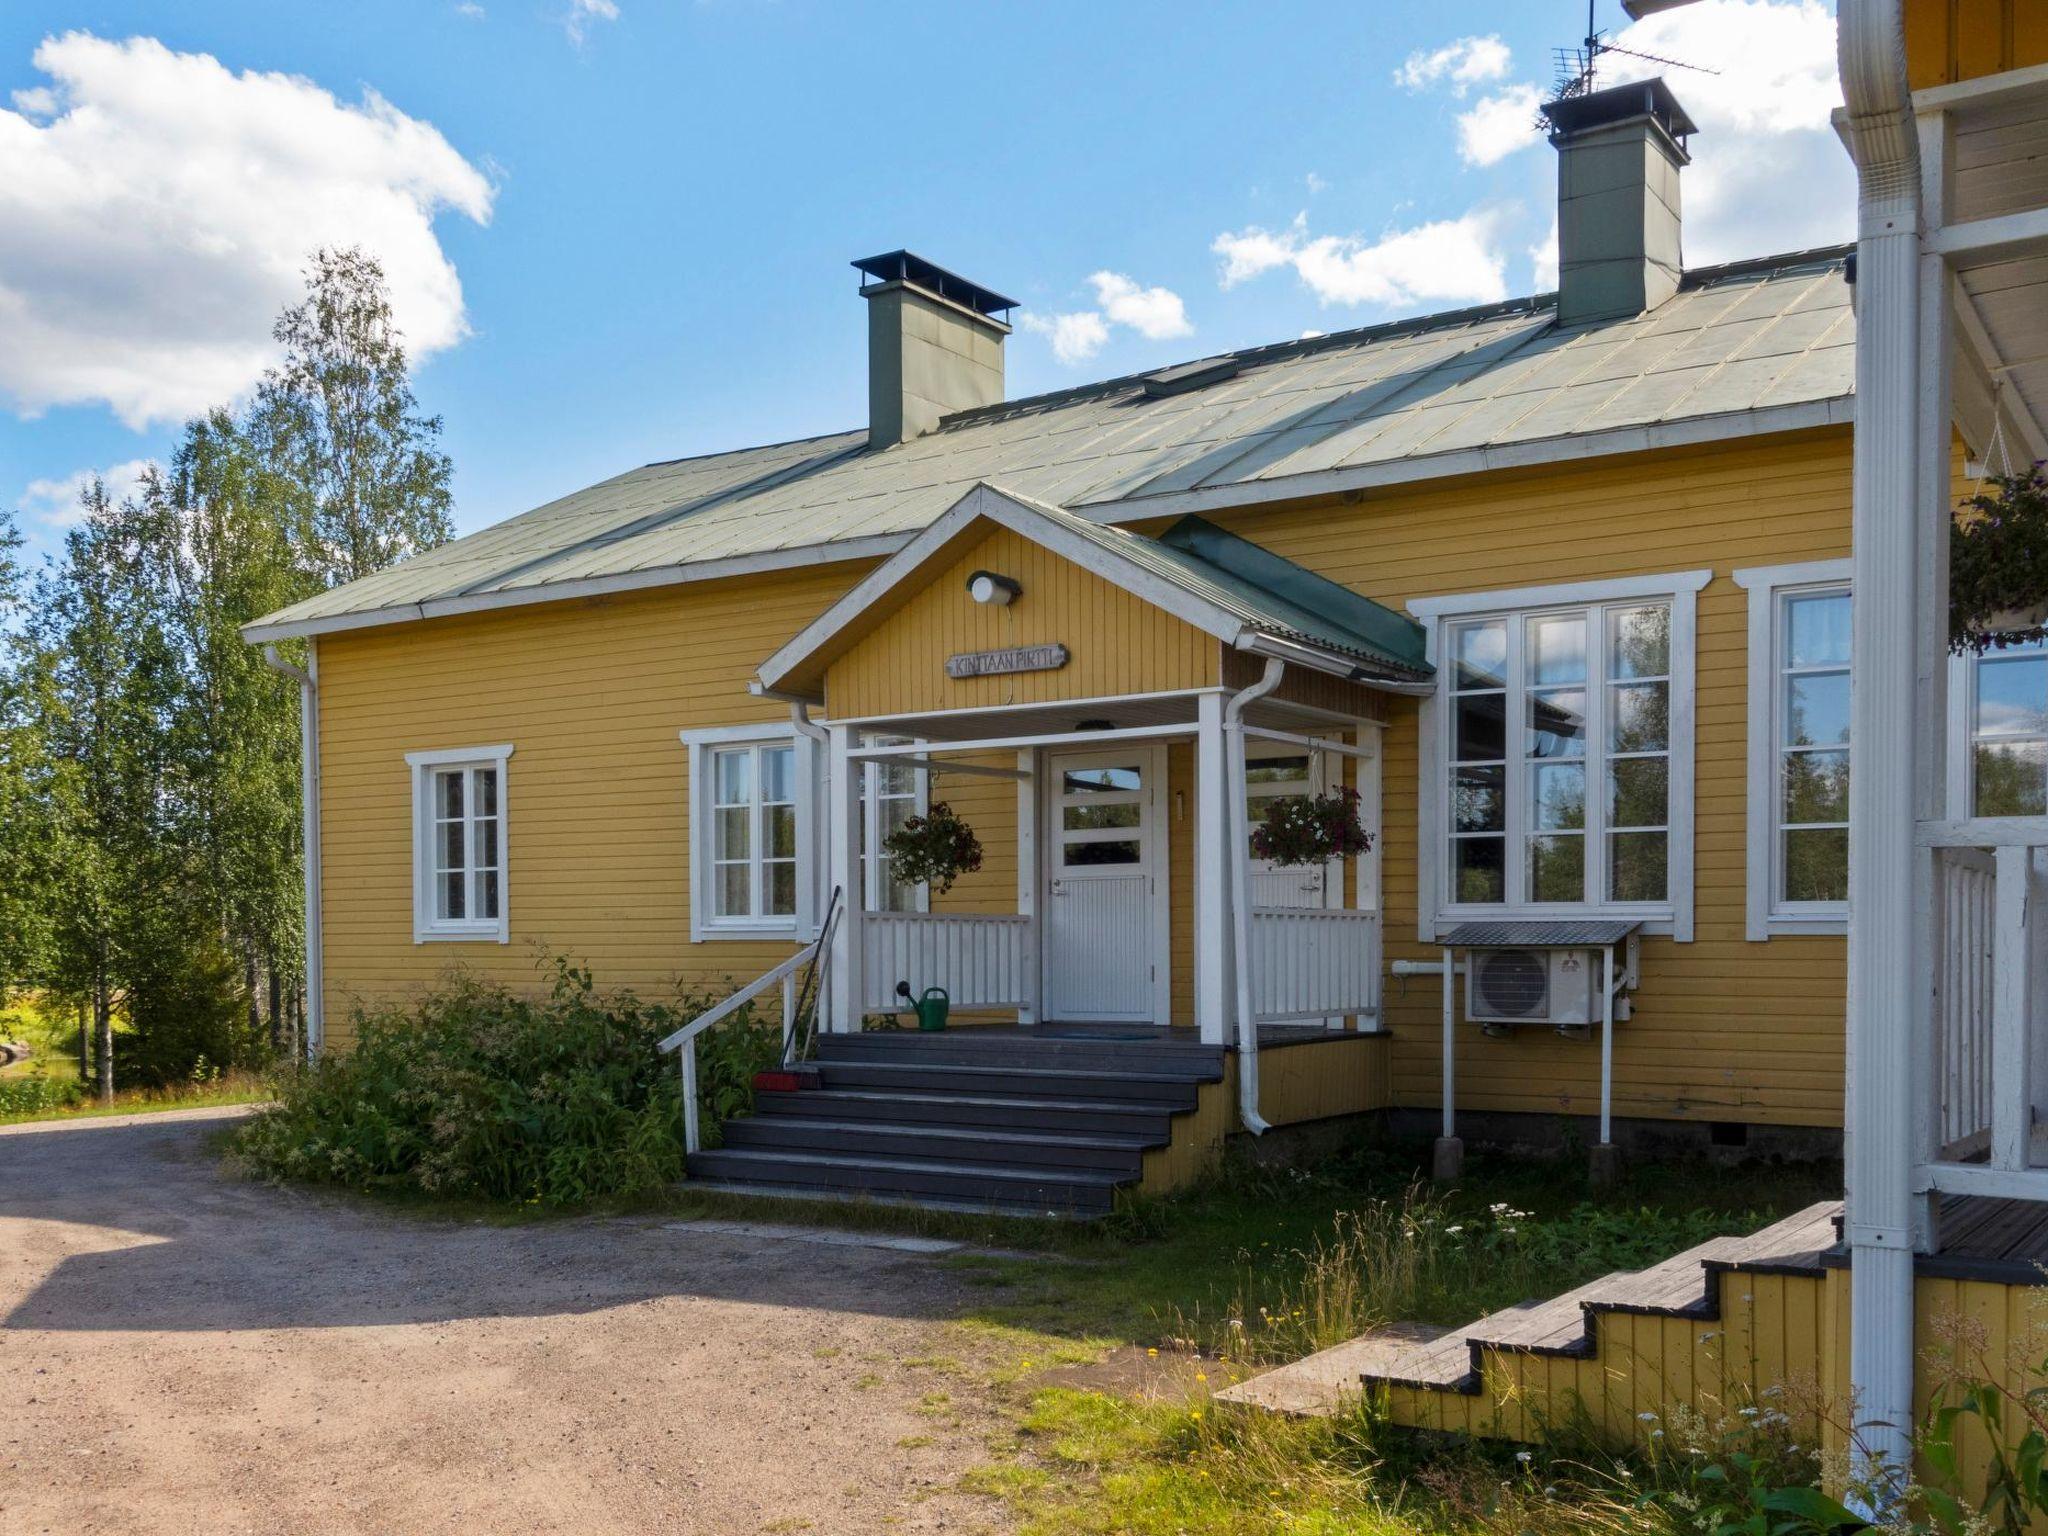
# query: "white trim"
[1034,520]
[1763,914]
[1674,917]
[702,742]
[1054,706]
[1048,526]
[1561,595]
[1981,242]
[420,767]
[866,547]
[1984,90]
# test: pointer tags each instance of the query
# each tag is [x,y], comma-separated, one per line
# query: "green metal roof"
[1296,600]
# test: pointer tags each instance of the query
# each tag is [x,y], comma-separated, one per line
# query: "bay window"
[1559,752]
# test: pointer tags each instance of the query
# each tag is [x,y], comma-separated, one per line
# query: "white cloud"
[1075,337]
[470,9]
[1446,261]
[55,502]
[1498,125]
[1465,63]
[158,211]
[1154,313]
[1315,183]
[1157,314]
[583,12]
[1768,174]
[1543,260]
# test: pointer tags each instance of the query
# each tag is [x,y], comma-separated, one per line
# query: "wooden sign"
[1015,658]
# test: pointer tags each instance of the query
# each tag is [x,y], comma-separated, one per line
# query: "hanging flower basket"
[934,849]
[1998,565]
[1311,829]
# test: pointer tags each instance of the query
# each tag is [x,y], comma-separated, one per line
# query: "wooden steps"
[1685,1286]
[966,1120]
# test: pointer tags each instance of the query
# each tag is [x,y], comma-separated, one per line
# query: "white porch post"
[843,842]
[1029,881]
[1213,936]
[1886,1002]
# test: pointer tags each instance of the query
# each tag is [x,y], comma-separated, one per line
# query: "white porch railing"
[1314,963]
[1990,1015]
[983,960]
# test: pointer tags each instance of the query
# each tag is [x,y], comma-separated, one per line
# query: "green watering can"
[931,1009]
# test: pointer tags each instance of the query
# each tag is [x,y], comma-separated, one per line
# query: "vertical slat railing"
[1314,963]
[1963,983]
[978,958]
[2012,1101]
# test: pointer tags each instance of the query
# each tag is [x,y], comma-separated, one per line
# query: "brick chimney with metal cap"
[935,345]
[1619,152]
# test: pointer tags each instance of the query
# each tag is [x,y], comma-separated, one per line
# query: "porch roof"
[1245,596]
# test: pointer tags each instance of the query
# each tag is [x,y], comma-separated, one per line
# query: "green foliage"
[1998,562]
[35,1094]
[149,759]
[1312,829]
[936,848]
[477,1092]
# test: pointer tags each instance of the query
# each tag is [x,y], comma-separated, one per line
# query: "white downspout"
[1239,857]
[800,720]
[308,679]
[1884,1002]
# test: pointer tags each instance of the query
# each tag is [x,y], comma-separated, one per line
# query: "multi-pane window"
[892,794]
[1560,757]
[2008,723]
[753,832]
[459,844]
[1810,718]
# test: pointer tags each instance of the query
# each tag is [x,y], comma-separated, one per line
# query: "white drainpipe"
[805,726]
[1239,860]
[308,679]
[1884,1003]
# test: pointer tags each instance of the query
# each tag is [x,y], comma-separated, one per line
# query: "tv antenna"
[1578,68]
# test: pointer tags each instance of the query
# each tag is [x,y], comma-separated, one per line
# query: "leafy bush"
[477,1092]
[35,1094]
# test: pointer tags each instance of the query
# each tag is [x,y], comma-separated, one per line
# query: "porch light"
[988,587]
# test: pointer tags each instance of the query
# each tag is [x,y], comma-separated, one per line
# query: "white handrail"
[685,1039]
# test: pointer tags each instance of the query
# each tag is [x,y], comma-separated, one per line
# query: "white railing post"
[692,1138]
[2012,1103]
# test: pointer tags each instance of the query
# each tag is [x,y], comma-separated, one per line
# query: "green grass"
[235,1088]
[1325,1252]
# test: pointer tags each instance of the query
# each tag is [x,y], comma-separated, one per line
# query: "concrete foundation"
[1447,1159]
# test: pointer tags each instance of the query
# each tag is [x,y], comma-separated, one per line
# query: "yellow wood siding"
[591,695]
[1724,1029]
[1118,643]
[1952,40]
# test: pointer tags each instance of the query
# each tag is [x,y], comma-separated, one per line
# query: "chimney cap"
[1571,115]
[908,267]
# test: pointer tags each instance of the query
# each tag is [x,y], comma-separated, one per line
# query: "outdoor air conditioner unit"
[1559,987]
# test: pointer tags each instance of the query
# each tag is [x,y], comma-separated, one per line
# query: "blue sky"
[620,229]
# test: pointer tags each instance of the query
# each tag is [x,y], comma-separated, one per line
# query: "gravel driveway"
[182,1351]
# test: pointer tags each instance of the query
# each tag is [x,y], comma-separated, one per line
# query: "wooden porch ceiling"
[1167,714]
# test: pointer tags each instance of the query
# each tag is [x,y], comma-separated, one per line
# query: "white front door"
[1106,885]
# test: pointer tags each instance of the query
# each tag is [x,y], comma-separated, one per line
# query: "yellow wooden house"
[1560,586]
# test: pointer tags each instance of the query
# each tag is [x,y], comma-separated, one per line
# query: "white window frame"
[1435,914]
[1764,914]
[871,823]
[426,927]
[702,745]
[1961,797]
